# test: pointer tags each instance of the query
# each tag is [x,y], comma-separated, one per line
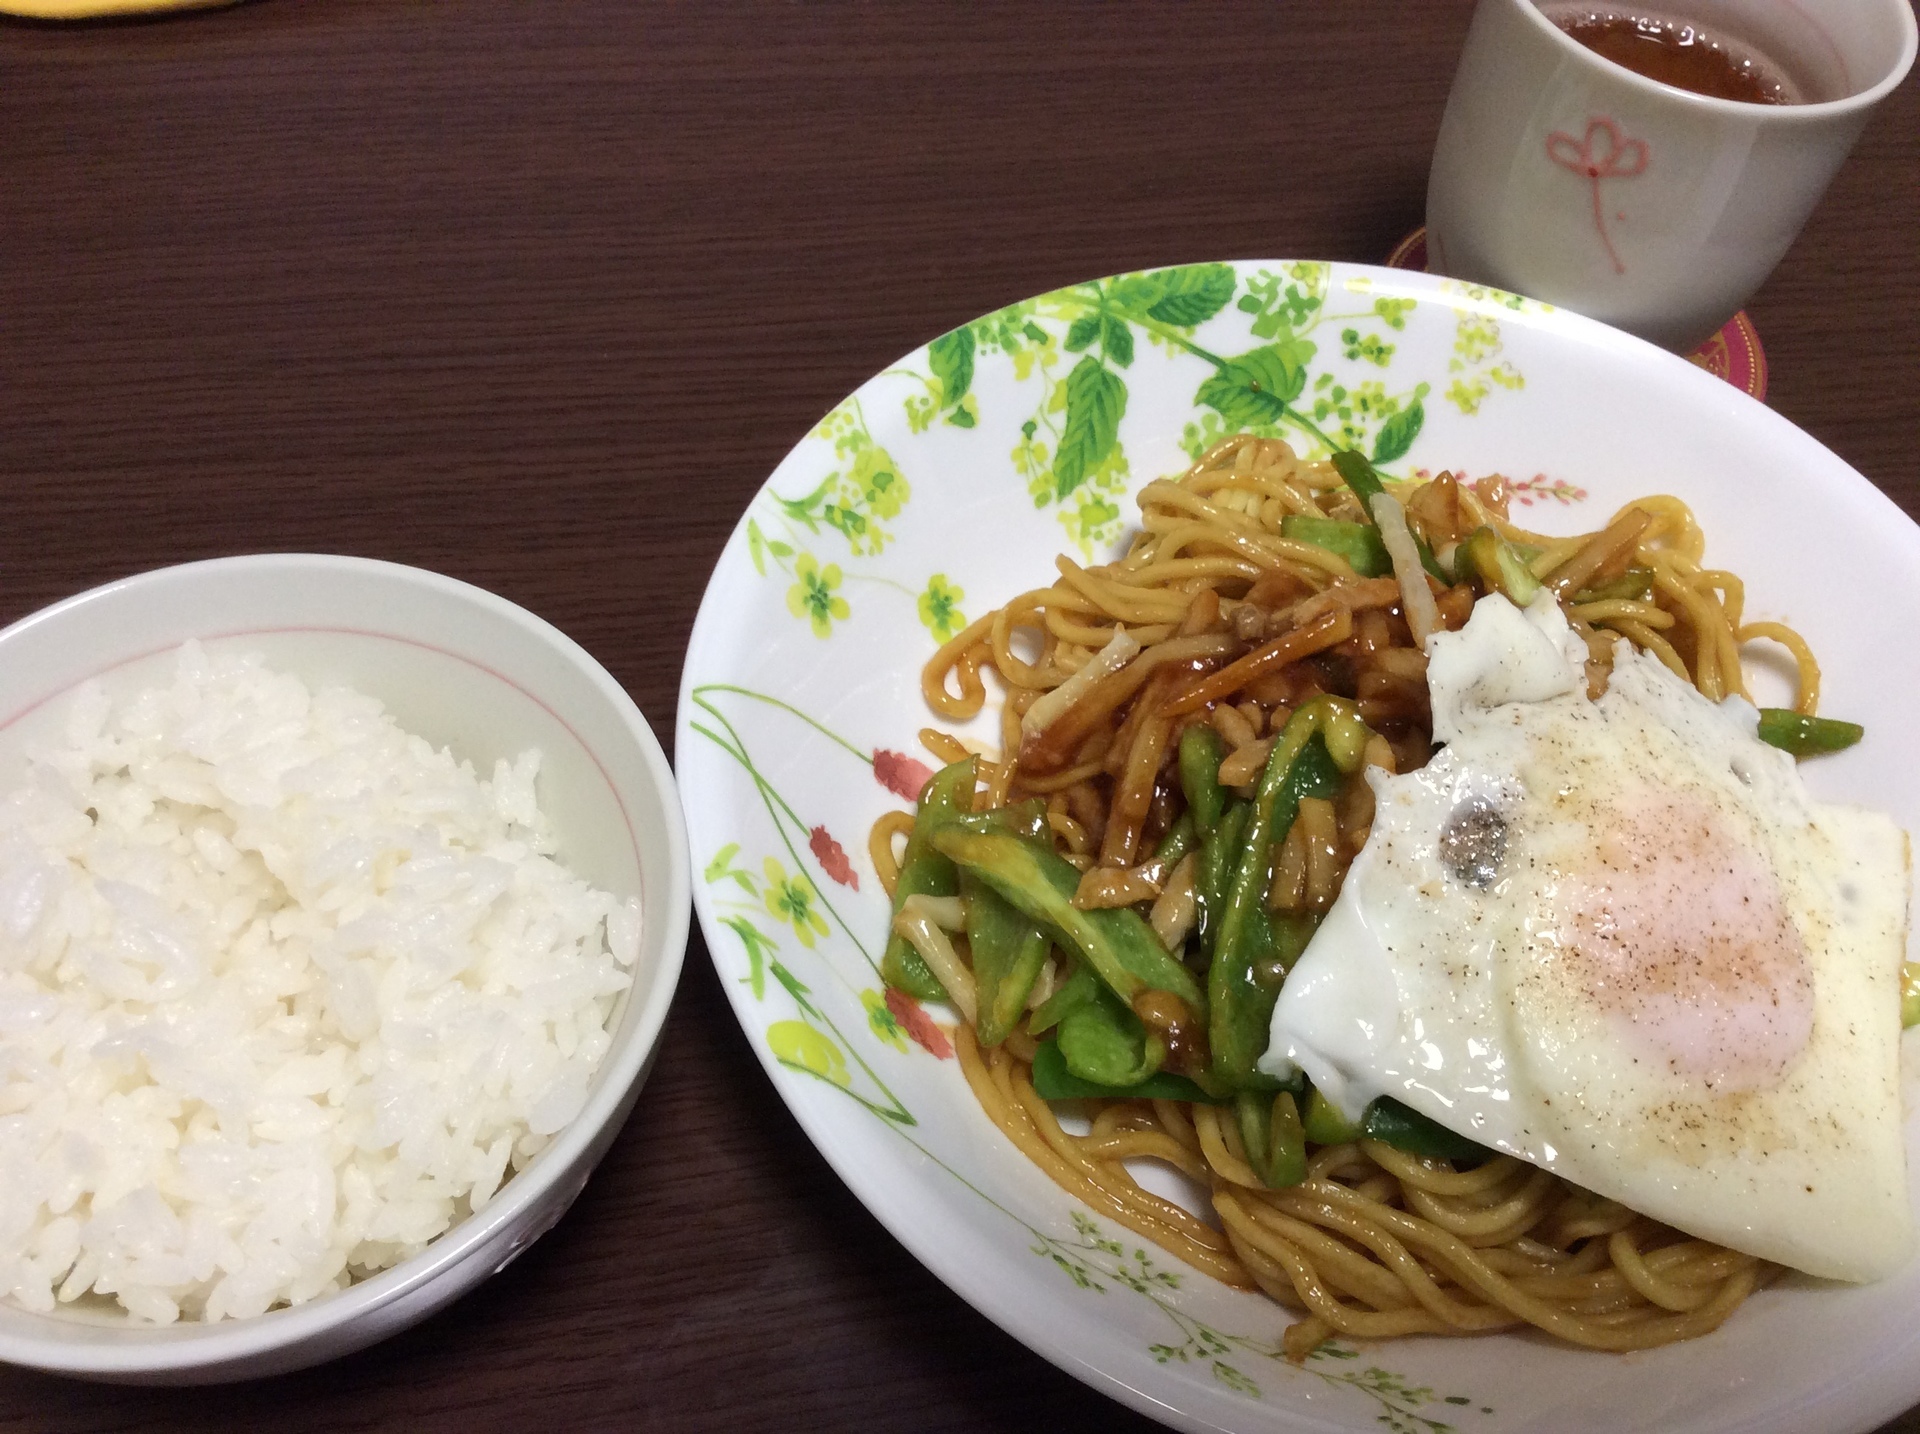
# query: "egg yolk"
[1680,935]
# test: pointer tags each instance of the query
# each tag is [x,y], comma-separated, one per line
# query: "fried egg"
[1619,940]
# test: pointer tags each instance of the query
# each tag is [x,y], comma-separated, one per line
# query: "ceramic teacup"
[1564,176]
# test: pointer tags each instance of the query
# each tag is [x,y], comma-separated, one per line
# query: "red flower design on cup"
[1602,153]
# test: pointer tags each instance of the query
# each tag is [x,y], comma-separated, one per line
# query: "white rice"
[284,993]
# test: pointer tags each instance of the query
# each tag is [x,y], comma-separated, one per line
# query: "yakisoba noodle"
[1237,624]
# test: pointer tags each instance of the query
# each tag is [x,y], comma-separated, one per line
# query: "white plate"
[939,485]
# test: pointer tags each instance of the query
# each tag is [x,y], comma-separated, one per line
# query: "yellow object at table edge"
[97,9]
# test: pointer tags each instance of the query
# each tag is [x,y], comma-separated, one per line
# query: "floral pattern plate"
[947,484]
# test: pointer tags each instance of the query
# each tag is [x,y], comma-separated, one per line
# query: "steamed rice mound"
[284,993]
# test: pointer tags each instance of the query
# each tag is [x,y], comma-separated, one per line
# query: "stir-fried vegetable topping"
[1804,736]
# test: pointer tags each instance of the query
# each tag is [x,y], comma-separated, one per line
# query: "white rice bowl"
[287,995]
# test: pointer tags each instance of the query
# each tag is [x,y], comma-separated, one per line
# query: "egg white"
[1619,940]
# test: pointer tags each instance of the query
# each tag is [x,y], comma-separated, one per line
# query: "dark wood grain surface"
[536,294]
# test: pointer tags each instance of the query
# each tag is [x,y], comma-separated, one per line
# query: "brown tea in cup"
[1678,51]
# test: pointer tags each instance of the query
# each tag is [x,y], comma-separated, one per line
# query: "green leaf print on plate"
[1253,391]
[1069,447]
[857,497]
[796,1044]
[1258,371]
[1396,435]
[951,358]
[1096,400]
[1186,296]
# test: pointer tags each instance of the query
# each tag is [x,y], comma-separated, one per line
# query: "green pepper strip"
[1271,1132]
[1008,952]
[1078,989]
[1292,931]
[1805,736]
[1499,566]
[1406,1129]
[1117,942]
[1027,819]
[1250,1112]
[1241,1007]
[1364,479]
[1634,585]
[1181,838]
[1217,857]
[924,872]
[1392,1123]
[1325,1125]
[1910,993]
[1201,752]
[1358,543]
[1103,1042]
[1054,1081]
[1286,1144]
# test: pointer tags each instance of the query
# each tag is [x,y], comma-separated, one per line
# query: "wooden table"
[536,294]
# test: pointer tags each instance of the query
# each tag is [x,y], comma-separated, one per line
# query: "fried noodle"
[1237,625]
